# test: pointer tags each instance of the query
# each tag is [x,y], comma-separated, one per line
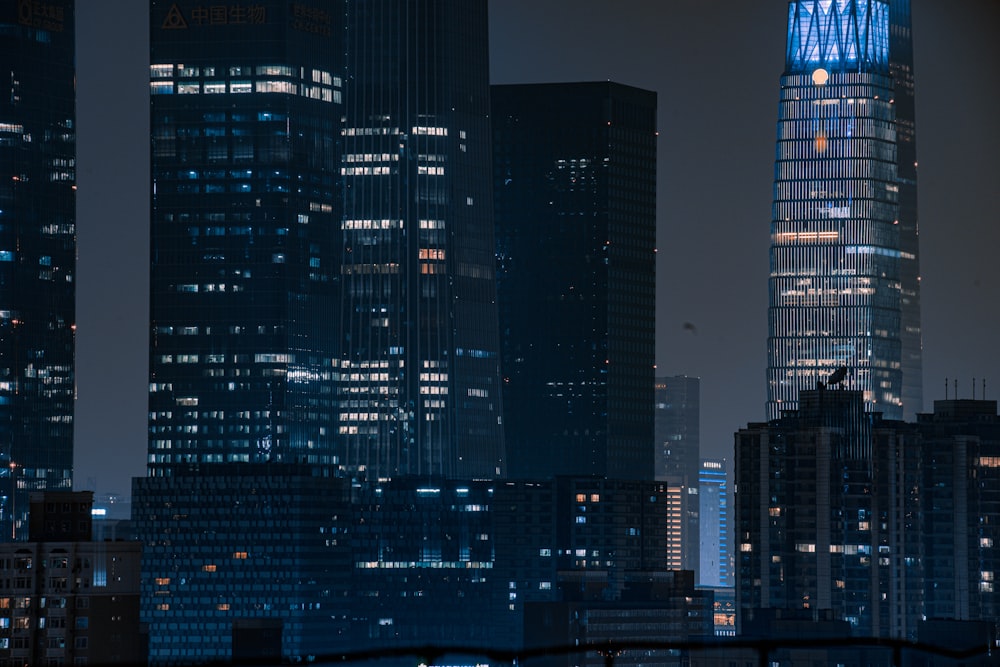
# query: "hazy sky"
[715,66]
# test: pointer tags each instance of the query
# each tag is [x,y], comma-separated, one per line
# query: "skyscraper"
[575,196]
[713,522]
[676,430]
[245,104]
[419,387]
[37,254]
[911,337]
[843,286]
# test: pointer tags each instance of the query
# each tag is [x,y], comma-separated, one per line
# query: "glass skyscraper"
[37,254]
[843,288]
[245,105]
[574,169]
[419,387]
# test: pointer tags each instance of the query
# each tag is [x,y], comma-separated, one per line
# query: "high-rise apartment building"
[37,254]
[843,288]
[574,169]
[841,514]
[676,433]
[245,108]
[826,517]
[419,389]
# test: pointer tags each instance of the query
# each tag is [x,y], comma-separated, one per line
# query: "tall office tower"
[246,101]
[835,285]
[575,196]
[37,254]
[419,366]
[676,429]
[245,104]
[713,521]
[911,336]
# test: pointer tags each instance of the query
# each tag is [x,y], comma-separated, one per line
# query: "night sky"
[715,66]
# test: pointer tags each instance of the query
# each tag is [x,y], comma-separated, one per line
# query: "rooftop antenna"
[973,388]
[984,389]
[946,389]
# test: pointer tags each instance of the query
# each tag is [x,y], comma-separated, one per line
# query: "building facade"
[823,517]
[67,599]
[242,544]
[245,102]
[715,569]
[835,290]
[882,524]
[911,332]
[676,432]
[419,389]
[574,168]
[37,254]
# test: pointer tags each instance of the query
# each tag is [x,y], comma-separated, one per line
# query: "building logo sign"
[43,15]
[201,15]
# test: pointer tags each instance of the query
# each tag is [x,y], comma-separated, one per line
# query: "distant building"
[37,254]
[677,423]
[67,599]
[574,171]
[715,569]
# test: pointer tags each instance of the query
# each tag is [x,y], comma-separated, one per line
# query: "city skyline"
[732,60]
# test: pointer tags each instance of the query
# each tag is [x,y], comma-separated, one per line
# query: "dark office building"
[238,547]
[843,278]
[246,101]
[37,254]
[910,332]
[558,536]
[245,104]
[423,565]
[574,169]
[419,387]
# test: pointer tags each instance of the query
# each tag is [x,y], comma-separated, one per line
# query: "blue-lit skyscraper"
[836,286]
[419,369]
[37,254]
[714,569]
